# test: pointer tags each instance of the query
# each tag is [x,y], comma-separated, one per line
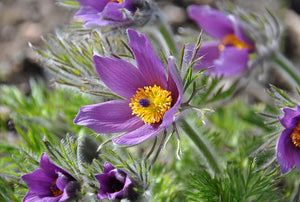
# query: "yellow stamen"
[296,135]
[151,103]
[232,40]
[118,1]
[54,189]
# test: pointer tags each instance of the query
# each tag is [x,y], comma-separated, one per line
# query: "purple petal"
[87,13]
[213,22]
[108,117]
[31,197]
[113,11]
[285,151]
[290,118]
[175,86]
[139,135]
[108,167]
[70,190]
[148,63]
[296,155]
[62,181]
[52,199]
[210,52]
[231,62]
[98,5]
[39,182]
[120,76]
[50,168]
[240,34]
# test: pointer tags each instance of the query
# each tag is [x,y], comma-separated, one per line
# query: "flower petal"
[231,62]
[139,135]
[175,86]
[120,76]
[148,63]
[213,22]
[98,5]
[108,117]
[50,168]
[39,182]
[87,13]
[285,151]
[240,33]
[290,118]
[70,190]
[62,181]
[112,11]
[296,155]
[108,167]
[31,197]
[209,51]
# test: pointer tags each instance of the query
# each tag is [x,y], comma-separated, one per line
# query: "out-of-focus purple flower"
[107,12]
[114,183]
[288,146]
[151,99]
[229,55]
[49,183]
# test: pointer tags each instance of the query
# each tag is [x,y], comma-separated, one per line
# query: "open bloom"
[107,12]
[288,146]
[230,54]
[151,99]
[114,183]
[49,183]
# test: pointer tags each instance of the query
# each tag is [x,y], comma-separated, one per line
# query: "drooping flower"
[107,12]
[288,146]
[151,99]
[49,183]
[114,183]
[227,56]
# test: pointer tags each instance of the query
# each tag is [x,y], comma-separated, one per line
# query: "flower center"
[232,40]
[151,103]
[55,190]
[295,135]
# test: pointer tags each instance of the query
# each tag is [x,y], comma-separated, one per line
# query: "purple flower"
[107,12]
[151,99]
[288,146]
[49,183]
[114,183]
[229,55]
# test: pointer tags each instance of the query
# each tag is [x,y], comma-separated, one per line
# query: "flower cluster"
[151,92]
[52,183]
[151,99]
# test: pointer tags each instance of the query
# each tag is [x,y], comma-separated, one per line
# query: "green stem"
[288,67]
[169,38]
[202,146]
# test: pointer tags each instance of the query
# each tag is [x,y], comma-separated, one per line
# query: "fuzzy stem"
[288,67]
[202,146]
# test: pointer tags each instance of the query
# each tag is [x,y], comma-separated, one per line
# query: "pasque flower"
[49,183]
[288,146]
[228,55]
[151,99]
[107,12]
[114,183]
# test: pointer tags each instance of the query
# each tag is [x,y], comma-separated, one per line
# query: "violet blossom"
[114,183]
[49,183]
[151,99]
[288,146]
[107,12]
[227,56]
